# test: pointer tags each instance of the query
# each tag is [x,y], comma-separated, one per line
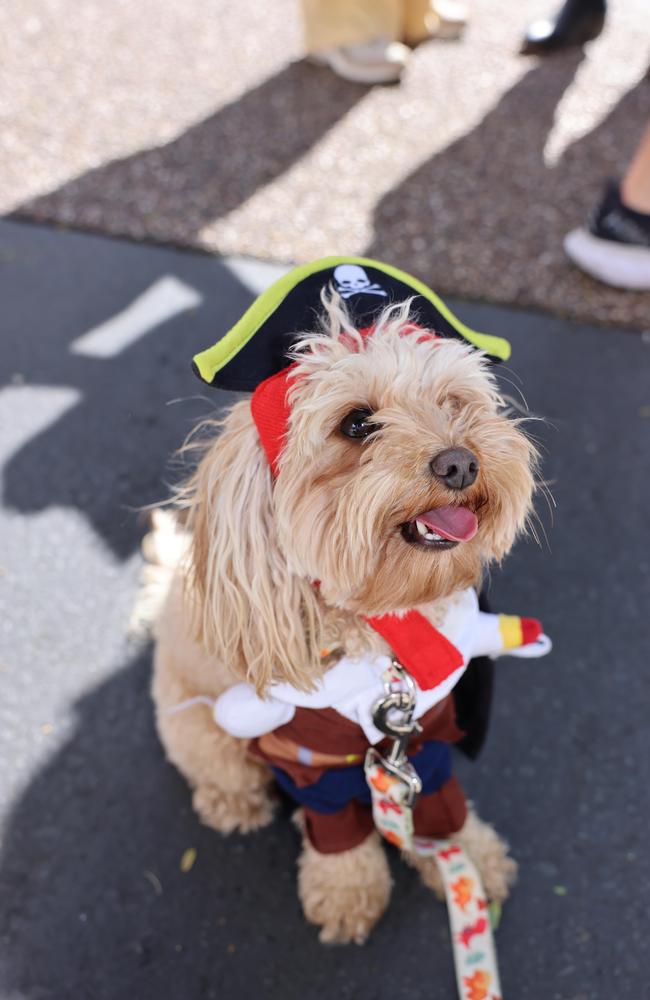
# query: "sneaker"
[373,62]
[451,17]
[615,247]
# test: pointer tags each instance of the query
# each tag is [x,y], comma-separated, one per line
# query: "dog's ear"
[251,612]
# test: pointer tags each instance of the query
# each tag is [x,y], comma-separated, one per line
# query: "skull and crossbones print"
[350,279]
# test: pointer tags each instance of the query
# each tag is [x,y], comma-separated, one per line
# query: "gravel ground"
[94,824]
[199,124]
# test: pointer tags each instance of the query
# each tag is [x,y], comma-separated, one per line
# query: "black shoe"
[615,247]
[579,21]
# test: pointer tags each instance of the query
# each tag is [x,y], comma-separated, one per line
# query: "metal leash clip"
[392,714]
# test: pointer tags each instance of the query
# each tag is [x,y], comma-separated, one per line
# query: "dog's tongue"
[457,524]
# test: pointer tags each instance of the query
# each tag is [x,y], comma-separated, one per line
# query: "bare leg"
[615,246]
[635,186]
[333,23]
[357,39]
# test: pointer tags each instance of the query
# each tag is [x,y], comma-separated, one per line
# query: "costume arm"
[242,713]
[499,635]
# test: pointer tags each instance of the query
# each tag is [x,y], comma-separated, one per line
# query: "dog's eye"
[357,424]
[453,404]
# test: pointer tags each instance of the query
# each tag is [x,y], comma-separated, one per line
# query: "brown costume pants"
[438,814]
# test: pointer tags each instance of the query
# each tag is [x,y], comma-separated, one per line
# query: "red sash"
[420,648]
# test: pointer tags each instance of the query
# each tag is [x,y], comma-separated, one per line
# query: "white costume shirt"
[354,684]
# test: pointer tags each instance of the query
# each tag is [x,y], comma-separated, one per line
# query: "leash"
[394,786]
[475,959]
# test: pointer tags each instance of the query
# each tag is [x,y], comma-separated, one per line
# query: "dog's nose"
[456,467]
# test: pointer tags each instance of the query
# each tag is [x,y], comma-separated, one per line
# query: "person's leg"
[615,246]
[576,22]
[330,24]
[357,39]
[635,186]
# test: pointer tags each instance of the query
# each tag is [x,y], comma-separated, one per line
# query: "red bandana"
[421,649]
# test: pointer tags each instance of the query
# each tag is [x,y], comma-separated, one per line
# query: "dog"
[397,478]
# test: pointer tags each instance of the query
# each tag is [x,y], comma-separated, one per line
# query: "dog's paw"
[230,812]
[498,873]
[344,894]
[489,853]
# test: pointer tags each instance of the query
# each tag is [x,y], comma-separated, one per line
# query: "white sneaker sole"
[357,72]
[616,264]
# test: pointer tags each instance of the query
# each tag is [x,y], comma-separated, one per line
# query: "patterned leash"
[475,959]
[394,785]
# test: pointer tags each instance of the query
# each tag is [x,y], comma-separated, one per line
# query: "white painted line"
[256,275]
[29,410]
[167,297]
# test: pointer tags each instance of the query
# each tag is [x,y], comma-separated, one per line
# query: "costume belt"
[284,748]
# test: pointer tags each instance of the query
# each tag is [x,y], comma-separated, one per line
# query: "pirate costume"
[317,742]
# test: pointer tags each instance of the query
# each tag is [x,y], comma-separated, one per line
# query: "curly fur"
[338,505]
[489,853]
[243,605]
[344,894]
[250,610]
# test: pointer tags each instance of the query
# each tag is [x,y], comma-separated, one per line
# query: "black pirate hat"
[257,346]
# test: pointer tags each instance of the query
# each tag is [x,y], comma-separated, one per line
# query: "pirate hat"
[257,346]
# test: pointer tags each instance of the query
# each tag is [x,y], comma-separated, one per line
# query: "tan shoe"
[372,62]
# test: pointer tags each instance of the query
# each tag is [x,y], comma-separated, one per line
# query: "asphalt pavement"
[94,905]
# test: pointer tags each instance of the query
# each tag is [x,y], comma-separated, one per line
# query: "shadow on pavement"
[96,905]
[210,169]
[454,214]
[107,455]
[483,218]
